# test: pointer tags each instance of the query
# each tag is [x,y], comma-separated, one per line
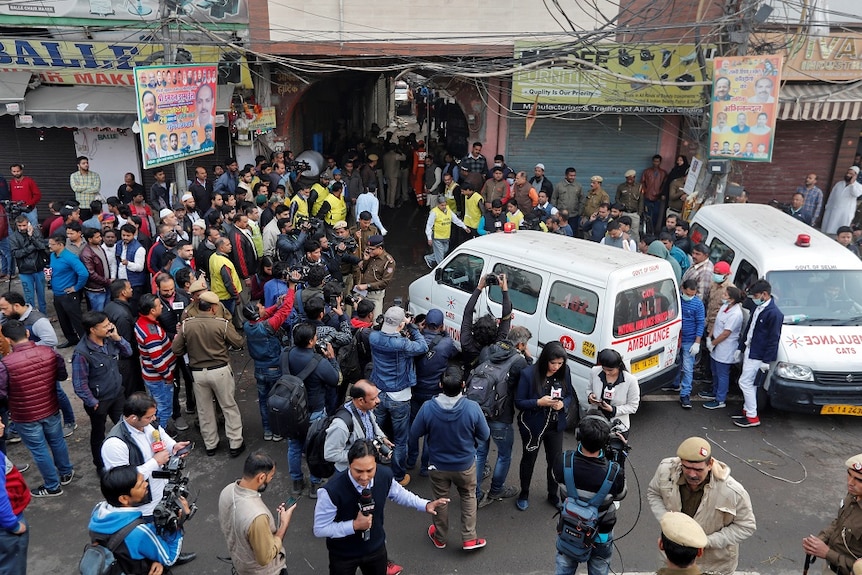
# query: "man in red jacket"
[23,189]
[27,380]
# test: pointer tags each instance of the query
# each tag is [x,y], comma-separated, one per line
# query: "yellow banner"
[567,85]
[98,63]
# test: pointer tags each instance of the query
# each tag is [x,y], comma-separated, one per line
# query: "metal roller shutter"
[606,146]
[801,147]
[49,161]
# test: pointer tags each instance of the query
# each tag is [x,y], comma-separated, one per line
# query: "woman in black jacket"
[544,395]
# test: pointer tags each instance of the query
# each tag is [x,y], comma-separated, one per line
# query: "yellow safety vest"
[322,194]
[515,218]
[301,207]
[472,210]
[442,224]
[216,283]
[337,209]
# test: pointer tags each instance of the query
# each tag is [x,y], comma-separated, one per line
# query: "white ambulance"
[585,295]
[819,290]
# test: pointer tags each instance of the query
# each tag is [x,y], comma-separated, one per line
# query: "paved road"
[792,466]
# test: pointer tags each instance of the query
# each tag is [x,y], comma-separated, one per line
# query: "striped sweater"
[157,359]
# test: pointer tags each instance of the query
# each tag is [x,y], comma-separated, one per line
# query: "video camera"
[169,515]
[617,449]
[307,223]
[297,166]
[14,209]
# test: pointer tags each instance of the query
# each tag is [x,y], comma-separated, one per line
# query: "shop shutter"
[801,147]
[606,146]
[49,161]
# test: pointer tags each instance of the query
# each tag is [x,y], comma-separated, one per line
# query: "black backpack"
[348,360]
[100,556]
[488,385]
[316,440]
[288,403]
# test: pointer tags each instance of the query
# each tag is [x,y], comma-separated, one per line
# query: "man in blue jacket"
[452,425]
[68,277]
[757,349]
[693,321]
[394,372]
[429,369]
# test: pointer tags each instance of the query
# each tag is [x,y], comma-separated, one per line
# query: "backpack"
[578,524]
[287,403]
[99,558]
[488,385]
[316,440]
[348,360]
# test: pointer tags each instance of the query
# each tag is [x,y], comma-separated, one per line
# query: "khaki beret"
[597,179]
[198,285]
[209,297]
[631,173]
[339,224]
[857,567]
[694,449]
[855,463]
[683,530]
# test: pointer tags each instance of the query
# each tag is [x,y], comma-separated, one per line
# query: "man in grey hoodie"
[453,425]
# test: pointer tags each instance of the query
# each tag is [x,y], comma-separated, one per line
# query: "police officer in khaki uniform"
[206,338]
[196,288]
[376,271]
[629,195]
[682,541]
[595,197]
[840,544]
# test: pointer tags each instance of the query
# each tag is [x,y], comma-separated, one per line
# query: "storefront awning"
[825,102]
[12,88]
[91,106]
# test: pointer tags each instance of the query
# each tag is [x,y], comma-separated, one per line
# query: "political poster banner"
[176,112]
[744,107]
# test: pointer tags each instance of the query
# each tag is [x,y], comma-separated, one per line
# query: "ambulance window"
[698,234]
[524,288]
[746,275]
[572,307]
[645,307]
[719,251]
[463,272]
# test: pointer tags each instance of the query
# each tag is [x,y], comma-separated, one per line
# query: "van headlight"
[794,371]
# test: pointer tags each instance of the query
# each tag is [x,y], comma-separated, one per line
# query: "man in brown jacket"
[206,338]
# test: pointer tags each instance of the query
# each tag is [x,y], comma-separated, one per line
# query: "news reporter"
[614,390]
[544,396]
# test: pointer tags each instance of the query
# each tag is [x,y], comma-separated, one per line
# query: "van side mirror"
[438,275]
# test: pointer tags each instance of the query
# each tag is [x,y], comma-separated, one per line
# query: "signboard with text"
[143,11]
[810,58]
[744,107]
[97,63]
[176,112]
[568,86]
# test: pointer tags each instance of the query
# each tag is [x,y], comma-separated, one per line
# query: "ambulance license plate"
[836,409]
[645,364]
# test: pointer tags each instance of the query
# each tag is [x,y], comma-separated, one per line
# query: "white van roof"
[562,254]
[770,236]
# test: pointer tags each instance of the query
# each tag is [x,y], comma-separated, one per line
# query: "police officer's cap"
[683,530]
[694,449]
[855,463]
[375,240]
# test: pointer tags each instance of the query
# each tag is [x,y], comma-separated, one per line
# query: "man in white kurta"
[841,206]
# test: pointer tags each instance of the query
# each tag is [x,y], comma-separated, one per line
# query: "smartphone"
[185,449]
[291,501]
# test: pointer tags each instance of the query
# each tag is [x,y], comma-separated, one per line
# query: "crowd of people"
[150,290]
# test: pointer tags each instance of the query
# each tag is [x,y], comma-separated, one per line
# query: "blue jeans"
[230,305]
[33,216]
[97,299]
[503,435]
[265,378]
[163,394]
[13,551]
[683,378]
[34,289]
[7,263]
[399,414]
[65,406]
[295,449]
[652,211]
[598,564]
[720,379]
[413,443]
[39,437]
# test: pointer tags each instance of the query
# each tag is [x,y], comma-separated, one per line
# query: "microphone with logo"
[366,507]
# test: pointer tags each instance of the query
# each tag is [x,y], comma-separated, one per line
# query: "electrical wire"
[762,472]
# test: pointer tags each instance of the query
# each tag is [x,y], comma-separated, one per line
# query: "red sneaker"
[393,569]
[474,544]
[432,534]
[747,422]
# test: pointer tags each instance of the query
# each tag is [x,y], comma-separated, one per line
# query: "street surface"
[792,466]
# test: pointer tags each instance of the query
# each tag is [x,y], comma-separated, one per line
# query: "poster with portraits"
[176,112]
[744,107]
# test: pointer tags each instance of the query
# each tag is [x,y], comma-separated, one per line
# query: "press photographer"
[134,441]
[144,549]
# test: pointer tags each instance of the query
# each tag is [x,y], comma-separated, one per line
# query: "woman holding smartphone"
[613,389]
[544,395]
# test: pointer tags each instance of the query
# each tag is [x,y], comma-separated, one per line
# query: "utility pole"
[180,172]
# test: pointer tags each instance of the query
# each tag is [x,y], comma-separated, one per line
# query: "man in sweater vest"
[28,379]
[349,512]
[253,537]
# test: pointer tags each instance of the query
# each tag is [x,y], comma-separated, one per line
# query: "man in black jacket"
[29,249]
[120,314]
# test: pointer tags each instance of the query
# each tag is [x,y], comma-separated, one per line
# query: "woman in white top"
[722,343]
[613,389]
